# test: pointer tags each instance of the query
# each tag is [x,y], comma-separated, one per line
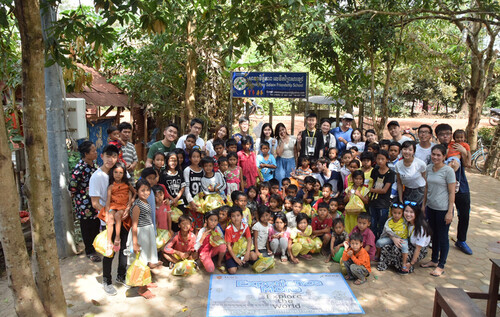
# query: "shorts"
[232,263]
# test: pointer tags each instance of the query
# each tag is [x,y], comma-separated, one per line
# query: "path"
[386,293]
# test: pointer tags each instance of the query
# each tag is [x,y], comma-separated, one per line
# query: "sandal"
[222,269]
[348,278]
[284,258]
[404,270]
[307,257]
[359,282]
[429,264]
[94,258]
[435,274]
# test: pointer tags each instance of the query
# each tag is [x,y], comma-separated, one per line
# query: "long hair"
[420,223]
[262,137]
[220,126]
[277,130]
[170,154]
[125,178]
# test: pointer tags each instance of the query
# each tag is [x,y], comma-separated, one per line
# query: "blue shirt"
[338,133]
[267,173]
[239,142]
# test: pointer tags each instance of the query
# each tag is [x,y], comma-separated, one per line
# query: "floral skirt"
[390,255]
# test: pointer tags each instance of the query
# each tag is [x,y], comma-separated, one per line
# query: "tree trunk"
[385,97]
[378,131]
[190,111]
[493,154]
[475,104]
[38,171]
[412,108]
[425,105]
[139,136]
[20,276]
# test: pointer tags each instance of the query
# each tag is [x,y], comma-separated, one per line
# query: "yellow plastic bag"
[307,210]
[248,216]
[354,206]
[175,214]
[216,239]
[199,202]
[316,245]
[240,247]
[101,242]
[138,274]
[263,264]
[184,268]
[212,201]
[162,237]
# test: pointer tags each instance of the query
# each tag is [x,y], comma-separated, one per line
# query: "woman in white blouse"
[285,154]
[410,172]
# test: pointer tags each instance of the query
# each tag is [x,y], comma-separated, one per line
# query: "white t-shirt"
[424,154]
[402,140]
[291,219]
[98,186]
[411,176]
[359,145]
[181,145]
[262,236]
[418,239]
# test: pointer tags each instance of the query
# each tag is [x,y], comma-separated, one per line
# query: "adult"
[244,125]
[266,134]
[195,126]
[221,133]
[343,133]
[329,141]
[98,191]
[128,150]
[79,188]
[410,173]
[423,150]
[166,145]
[325,175]
[419,237]
[285,154]
[438,202]
[462,197]
[371,137]
[395,132]
[310,141]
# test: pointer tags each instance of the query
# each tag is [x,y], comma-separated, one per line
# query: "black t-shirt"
[311,143]
[379,180]
[173,183]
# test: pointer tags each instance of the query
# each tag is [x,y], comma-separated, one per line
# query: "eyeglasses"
[398,206]
[410,203]
[424,132]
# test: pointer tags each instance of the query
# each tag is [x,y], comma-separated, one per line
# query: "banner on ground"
[281,295]
[269,85]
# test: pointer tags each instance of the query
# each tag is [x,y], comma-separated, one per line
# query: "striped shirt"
[129,153]
[145,213]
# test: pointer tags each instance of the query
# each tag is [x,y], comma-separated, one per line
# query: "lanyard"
[307,131]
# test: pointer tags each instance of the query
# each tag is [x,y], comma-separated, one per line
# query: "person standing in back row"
[129,152]
[343,133]
[196,126]
[310,141]
[395,132]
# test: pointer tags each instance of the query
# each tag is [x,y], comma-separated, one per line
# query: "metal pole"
[231,106]
[56,138]
[271,109]
[293,117]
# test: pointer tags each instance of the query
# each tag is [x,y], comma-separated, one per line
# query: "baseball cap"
[348,116]
[393,122]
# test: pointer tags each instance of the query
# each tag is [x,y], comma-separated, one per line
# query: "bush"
[486,133]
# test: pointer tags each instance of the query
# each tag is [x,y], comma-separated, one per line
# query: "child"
[163,219]
[334,209]
[345,158]
[355,152]
[285,182]
[291,190]
[260,232]
[288,204]
[307,193]
[189,142]
[322,227]
[352,166]
[334,165]
[327,196]
[266,162]
[223,218]
[222,165]
[114,139]
[356,190]
[264,194]
[231,146]
[192,177]
[205,249]
[395,227]
[380,194]
[173,181]
[181,157]
[219,153]
[279,236]
[212,182]
[142,235]
[356,260]
[337,242]
[302,172]
[119,200]
[317,193]
[373,148]
[240,199]
[356,140]
[150,175]
[159,162]
[248,162]
[181,246]
[252,200]
[394,157]
[235,231]
[366,167]
[383,145]
[275,187]
[292,216]
[314,167]
[275,204]
[301,240]
[459,137]
[234,174]
[363,227]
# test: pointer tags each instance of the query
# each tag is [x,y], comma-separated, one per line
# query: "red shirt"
[179,244]
[232,234]
[316,224]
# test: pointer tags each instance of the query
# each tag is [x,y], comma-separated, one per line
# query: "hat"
[393,122]
[348,116]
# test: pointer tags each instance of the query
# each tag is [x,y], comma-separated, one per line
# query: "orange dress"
[119,196]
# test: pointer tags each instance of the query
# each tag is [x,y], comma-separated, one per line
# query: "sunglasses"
[397,206]
[411,203]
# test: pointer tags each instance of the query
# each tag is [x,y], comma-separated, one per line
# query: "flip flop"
[359,282]
[222,269]
[94,258]
[147,294]
[284,258]
[428,264]
[433,273]
[348,278]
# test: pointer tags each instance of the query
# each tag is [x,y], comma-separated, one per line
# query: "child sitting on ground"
[212,182]
[322,226]
[260,232]
[279,236]
[357,190]
[275,204]
[301,240]
[285,182]
[235,231]
[292,190]
[363,227]
[181,246]
[223,218]
[337,242]
[356,259]
[291,217]
[395,227]
[307,192]
[210,243]
[287,204]
[334,209]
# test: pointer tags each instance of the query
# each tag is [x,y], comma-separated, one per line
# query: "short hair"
[441,148]
[323,205]
[242,120]
[358,164]
[384,153]
[84,147]
[211,213]
[111,129]
[407,144]
[289,198]
[274,182]
[366,156]
[195,121]
[365,216]
[312,115]
[338,220]
[303,158]
[185,218]
[148,171]
[443,127]
[173,125]
[344,153]
[356,236]
[231,142]
[357,173]
[265,143]
[323,160]
[234,209]
[394,143]
[374,146]
[206,160]
[218,142]
[301,216]
[293,187]
[325,120]
[261,210]
[285,179]
[458,132]
[384,142]
[309,180]
[110,149]
[277,198]
[328,185]
[424,126]
[124,126]
[159,153]
[194,151]
[370,131]
[142,182]
[158,188]
[297,201]
[191,136]
[222,159]
[245,140]
[264,185]
[232,154]
[354,148]
[224,208]
[235,195]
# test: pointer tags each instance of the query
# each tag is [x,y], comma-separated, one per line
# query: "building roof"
[101,93]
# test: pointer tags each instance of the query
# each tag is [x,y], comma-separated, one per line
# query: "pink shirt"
[317,224]
[248,164]
[368,239]
[162,216]
[273,231]
[179,244]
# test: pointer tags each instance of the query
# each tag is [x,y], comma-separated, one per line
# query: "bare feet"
[429,264]
[437,272]
[327,259]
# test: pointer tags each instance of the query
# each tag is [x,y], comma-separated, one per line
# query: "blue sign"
[269,85]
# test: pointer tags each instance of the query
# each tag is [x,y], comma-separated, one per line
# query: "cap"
[348,116]
[393,122]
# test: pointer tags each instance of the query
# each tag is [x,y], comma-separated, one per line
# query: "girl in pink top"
[279,236]
[234,174]
[248,163]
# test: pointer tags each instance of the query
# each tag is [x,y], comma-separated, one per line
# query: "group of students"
[347,206]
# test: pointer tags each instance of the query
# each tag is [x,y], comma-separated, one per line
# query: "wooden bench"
[454,302]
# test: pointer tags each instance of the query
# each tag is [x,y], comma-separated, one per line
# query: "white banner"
[281,295]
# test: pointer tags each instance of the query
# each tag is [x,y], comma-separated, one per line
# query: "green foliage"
[73,158]
[486,133]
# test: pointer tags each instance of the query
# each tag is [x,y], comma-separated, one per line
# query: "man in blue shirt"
[343,133]
[244,126]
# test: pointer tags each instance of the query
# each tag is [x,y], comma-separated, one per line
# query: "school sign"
[269,85]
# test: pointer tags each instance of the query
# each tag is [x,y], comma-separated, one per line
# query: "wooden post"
[338,113]
[247,110]
[145,150]
[271,109]
[293,118]
[361,115]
